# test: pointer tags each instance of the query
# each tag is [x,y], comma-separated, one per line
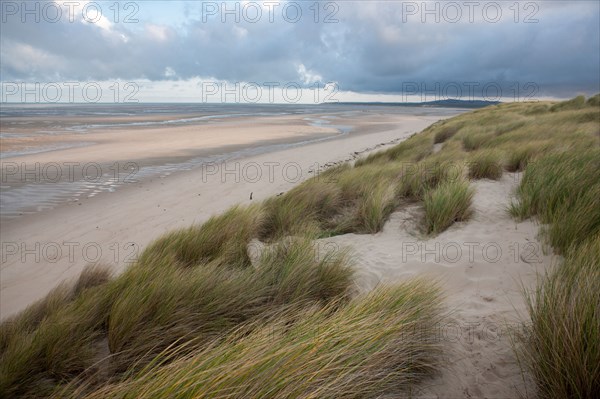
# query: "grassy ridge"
[196,308]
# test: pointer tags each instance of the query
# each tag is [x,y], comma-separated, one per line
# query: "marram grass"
[562,347]
[448,203]
[381,343]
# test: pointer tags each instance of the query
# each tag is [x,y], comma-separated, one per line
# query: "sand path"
[482,266]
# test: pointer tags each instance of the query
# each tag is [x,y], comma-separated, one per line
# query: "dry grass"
[485,164]
[448,203]
[378,344]
[562,349]
[222,238]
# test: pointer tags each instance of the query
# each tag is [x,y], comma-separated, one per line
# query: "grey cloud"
[371,49]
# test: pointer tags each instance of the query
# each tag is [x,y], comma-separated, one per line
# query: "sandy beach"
[43,248]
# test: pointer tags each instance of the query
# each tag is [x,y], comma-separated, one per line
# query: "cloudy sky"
[370,50]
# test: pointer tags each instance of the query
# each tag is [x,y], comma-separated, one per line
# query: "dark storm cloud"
[374,47]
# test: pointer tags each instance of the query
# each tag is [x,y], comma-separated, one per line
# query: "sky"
[298,51]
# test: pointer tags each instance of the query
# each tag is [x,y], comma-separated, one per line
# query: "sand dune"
[482,265]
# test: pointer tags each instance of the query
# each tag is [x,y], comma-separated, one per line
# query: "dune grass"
[222,238]
[563,346]
[563,191]
[575,103]
[447,131]
[171,303]
[518,158]
[29,319]
[485,164]
[561,188]
[156,305]
[61,346]
[448,203]
[381,343]
[473,141]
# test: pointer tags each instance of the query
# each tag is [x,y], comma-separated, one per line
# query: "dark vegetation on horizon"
[449,103]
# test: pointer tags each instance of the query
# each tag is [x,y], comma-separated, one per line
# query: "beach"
[83,218]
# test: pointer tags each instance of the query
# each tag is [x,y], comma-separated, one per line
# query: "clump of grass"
[169,303]
[448,203]
[473,141]
[368,198]
[303,208]
[378,344]
[574,103]
[295,271]
[426,175]
[28,320]
[575,220]
[155,305]
[222,238]
[61,345]
[561,190]
[92,275]
[593,101]
[445,132]
[562,350]
[486,164]
[375,208]
[519,157]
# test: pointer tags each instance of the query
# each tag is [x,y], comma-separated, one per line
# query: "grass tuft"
[593,101]
[448,203]
[222,239]
[563,191]
[485,164]
[473,141]
[446,132]
[563,347]
[574,103]
[171,304]
[518,158]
